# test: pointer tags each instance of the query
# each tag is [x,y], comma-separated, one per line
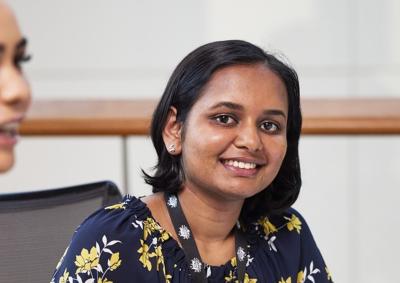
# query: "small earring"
[171,148]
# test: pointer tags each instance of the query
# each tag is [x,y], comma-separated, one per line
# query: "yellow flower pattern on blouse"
[267,226]
[328,273]
[97,262]
[308,273]
[87,261]
[88,265]
[116,206]
[289,280]
[232,278]
[154,250]
[294,223]
[64,277]
[150,226]
[144,255]
[247,279]
[114,262]
[160,258]
[300,277]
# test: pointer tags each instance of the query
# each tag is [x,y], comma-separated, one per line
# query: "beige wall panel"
[378,194]
[325,199]
[51,162]
[141,155]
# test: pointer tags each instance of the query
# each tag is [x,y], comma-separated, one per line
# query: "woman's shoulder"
[285,234]
[287,240]
[112,240]
[117,219]
[286,222]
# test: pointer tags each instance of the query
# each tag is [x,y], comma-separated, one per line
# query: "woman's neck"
[210,219]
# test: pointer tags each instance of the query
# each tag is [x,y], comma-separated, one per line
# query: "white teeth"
[240,164]
[10,129]
[9,126]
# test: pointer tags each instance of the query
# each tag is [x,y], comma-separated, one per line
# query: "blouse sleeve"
[101,248]
[312,266]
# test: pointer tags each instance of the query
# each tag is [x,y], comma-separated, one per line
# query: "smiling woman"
[14,89]
[226,132]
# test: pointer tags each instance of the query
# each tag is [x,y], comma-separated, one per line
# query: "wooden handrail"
[132,117]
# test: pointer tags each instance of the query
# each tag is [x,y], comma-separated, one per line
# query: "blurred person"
[14,89]
[226,133]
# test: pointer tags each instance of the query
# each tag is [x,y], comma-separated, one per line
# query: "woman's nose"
[14,88]
[249,138]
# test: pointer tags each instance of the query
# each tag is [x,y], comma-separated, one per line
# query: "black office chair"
[36,227]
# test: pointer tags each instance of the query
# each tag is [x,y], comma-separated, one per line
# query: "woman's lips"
[241,168]
[9,134]
[7,140]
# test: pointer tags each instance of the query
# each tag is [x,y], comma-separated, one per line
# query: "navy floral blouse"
[124,243]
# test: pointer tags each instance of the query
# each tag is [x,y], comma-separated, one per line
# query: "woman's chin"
[236,194]
[244,189]
[6,159]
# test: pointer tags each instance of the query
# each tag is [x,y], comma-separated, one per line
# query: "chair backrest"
[36,227]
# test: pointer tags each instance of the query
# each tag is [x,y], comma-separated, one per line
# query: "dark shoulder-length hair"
[182,91]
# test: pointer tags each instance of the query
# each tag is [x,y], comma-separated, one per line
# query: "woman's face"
[235,135]
[14,89]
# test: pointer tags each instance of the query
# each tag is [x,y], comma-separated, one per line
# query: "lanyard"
[196,265]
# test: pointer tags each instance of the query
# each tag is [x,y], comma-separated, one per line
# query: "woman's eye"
[225,119]
[270,127]
[18,60]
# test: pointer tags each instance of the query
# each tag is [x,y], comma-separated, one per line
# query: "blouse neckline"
[171,243]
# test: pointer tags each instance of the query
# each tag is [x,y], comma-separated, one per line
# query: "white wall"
[127,49]
[50,162]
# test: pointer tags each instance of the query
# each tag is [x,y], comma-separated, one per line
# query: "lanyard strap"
[196,265]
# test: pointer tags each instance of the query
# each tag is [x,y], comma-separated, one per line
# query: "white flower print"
[208,271]
[241,254]
[172,201]
[138,223]
[249,260]
[271,244]
[195,264]
[310,276]
[88,263]
[184,232]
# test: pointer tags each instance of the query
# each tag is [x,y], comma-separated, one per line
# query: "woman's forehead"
[9,31]
[245,84]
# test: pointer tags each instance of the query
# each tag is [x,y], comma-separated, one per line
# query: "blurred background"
[99,49]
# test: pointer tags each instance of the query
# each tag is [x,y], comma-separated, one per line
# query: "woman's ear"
[172,133]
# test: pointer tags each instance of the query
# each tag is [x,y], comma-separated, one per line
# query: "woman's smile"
[241,167]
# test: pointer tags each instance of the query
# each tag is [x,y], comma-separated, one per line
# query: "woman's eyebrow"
[235,106]
[227,104]
[275,112]
[22,43]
